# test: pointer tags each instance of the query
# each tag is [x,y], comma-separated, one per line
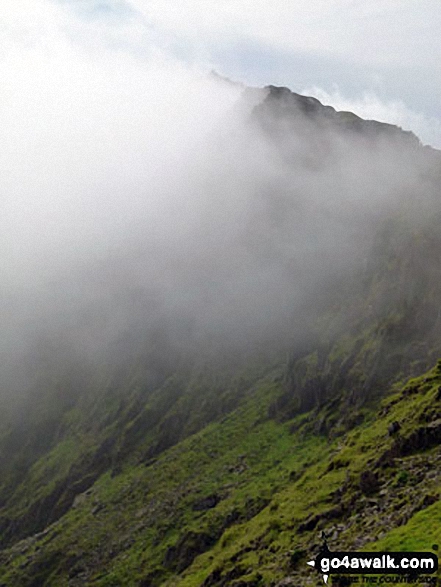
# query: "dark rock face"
[285,104]
[393,428]
[151,580]
[217,579]
[421,439]
[313,521]
[188,547]
[46,510]
[369,483]
[206,503]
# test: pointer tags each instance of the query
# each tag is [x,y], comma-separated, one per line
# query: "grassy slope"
[110,425]
[274,487]
[151,448]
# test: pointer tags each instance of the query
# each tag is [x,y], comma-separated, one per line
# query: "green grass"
[268,481]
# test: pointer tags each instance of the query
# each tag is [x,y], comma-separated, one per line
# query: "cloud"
[381,46]
[93,138]
[380,32]
[137,196]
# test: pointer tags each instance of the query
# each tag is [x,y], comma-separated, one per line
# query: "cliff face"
[217,460]
[284,108]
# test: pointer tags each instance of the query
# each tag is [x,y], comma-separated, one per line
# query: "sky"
[379,58]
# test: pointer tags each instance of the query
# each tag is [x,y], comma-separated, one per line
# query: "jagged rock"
[206,503]
[295,557]
[151,579]
[369,483]
[218,579]
[421,439]
[425,502]
[312,521]
[393,428]
[81,498]
[188,547]
[411,390]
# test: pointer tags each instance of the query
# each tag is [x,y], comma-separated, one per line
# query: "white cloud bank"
[387,39]
[382,36]
[120,210]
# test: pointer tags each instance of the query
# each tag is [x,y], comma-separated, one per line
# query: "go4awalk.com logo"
[411,564]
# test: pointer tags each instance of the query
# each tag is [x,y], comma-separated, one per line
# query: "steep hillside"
[214,438]
[243,502]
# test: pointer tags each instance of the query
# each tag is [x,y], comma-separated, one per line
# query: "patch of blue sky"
[99,9]
[258,64]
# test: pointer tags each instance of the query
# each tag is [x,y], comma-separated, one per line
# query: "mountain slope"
[247,497]
[190,452]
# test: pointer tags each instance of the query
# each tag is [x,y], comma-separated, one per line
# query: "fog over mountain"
[143,198]
[220,302]
[160,200]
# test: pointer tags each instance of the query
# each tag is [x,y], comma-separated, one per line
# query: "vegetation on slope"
[218,465]
[243,501]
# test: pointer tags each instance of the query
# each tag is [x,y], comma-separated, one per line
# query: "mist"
[145,199]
